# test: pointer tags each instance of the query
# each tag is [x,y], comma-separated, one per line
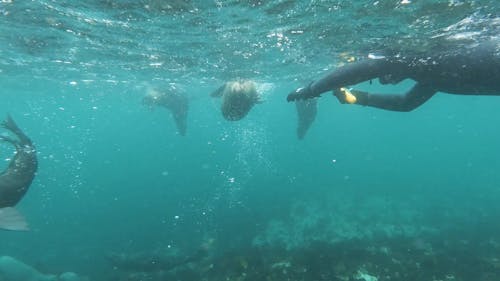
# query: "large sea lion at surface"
[175,101]
[306,113]
[238,97]
[17,177]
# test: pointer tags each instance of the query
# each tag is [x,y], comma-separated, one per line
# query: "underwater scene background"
[366,195]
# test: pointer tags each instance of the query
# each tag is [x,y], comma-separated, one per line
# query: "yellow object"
[349,97]
[347,57]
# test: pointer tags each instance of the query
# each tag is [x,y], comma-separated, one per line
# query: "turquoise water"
[397,196]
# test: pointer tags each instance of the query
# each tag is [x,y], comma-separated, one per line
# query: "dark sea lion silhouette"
[17,177]
[306,113]
[173,100]
[238,97]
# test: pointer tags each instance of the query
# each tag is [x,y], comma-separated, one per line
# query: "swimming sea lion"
[12,269]
[173,100]
[306,112]
[238,97]
[17,177]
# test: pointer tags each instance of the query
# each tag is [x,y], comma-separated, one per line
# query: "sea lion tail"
[11,219]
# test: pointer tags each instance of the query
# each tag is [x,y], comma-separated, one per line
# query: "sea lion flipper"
[180,118]
[218,93]
[11,219]
[10,125]
[9,140]
[306,112]
[179,106]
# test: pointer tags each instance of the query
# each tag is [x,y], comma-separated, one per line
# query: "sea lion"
[173,100]
[12,269]
[306,113]
[238,97]
[17,177]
